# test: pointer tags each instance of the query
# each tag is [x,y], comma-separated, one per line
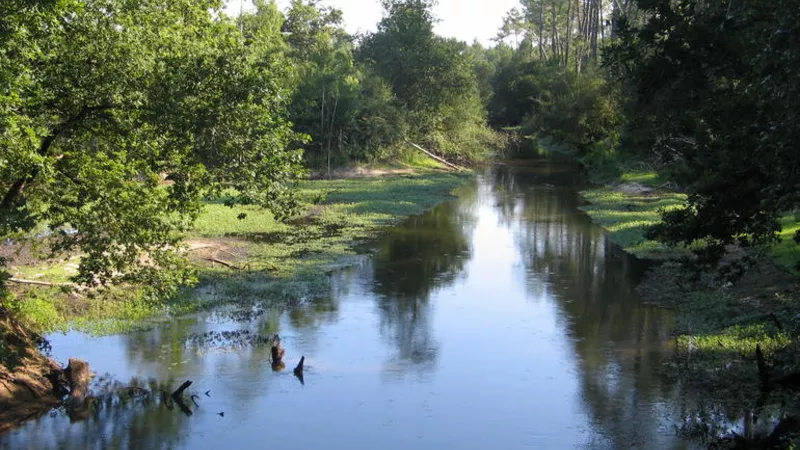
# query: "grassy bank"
[720,321]
[243,255]
[626,209]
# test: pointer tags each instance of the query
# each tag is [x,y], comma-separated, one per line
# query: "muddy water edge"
[503,318]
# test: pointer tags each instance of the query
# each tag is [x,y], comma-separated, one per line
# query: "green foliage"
[714,91]
[117,118]
[431,79]
[787,248]
[284,263]
[580,109]
[37,311]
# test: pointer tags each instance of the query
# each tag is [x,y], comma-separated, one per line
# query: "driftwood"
[224,263]
[177,397]
[277,353]
[437,158]
[41,283]
[211,247]
[79,404]
[298,371]
[78,377]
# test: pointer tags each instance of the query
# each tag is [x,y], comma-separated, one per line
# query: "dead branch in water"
[298,371]
[178,392]
[177,396]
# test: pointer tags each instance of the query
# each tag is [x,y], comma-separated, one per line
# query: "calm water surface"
[502,319]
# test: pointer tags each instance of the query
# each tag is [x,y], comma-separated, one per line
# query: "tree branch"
[17,188]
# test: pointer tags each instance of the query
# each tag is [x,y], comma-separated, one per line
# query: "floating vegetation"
[226,340]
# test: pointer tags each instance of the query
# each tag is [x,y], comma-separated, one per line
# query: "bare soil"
[359,172]
[31,384]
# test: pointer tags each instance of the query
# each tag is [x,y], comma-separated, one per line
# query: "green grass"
[717,331]
[787,252]
[282,263]
[648,178]
[55,272]
[626,216]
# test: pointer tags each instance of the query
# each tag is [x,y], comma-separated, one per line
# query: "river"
[500,319]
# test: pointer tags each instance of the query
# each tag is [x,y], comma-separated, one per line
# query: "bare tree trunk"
[330,132]
[322,114]
[569,33]
[595,18]
[602,22]
[553,33]
[541,30]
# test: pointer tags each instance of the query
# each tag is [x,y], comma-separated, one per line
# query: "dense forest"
[118,118]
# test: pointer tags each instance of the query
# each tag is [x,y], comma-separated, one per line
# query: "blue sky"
[463,19]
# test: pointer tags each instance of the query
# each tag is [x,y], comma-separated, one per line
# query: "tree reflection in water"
[620,343]
[426,253]
[117,417]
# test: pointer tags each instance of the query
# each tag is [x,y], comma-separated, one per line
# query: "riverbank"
[243,254]
[721,319]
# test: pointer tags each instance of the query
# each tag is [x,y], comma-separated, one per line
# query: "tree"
[118,117]
[714,95]
[431,77]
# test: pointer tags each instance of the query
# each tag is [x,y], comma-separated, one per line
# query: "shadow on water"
[503,318]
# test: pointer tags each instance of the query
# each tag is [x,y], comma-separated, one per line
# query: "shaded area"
[621,343]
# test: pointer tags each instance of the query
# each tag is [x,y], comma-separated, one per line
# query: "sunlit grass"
[281,262]
[647,178]
[54,272]
[627,217]
[787,252]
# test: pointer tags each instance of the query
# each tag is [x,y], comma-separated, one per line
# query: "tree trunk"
[15,191]
[330,132]
[541,30]
[568,33]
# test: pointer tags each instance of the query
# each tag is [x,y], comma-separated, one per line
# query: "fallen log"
[437,158]
[78,377]
[215,249]
[224,263]
[277,350]
[41,283]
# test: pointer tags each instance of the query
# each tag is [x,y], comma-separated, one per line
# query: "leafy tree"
[714,95]
[117,117]
[431,77]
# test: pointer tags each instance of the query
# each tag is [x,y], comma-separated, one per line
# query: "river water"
[501,319]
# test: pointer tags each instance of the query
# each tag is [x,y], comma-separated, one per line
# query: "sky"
[465,20]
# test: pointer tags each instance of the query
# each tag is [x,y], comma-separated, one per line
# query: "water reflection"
[620,343]
[503,318]
[429,252]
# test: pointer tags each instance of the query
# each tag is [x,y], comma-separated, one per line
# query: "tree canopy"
[118,117]
[713,93]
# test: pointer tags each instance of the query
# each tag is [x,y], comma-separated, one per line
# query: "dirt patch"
[634,189]
[217,251]
[358,172]
[30,383]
